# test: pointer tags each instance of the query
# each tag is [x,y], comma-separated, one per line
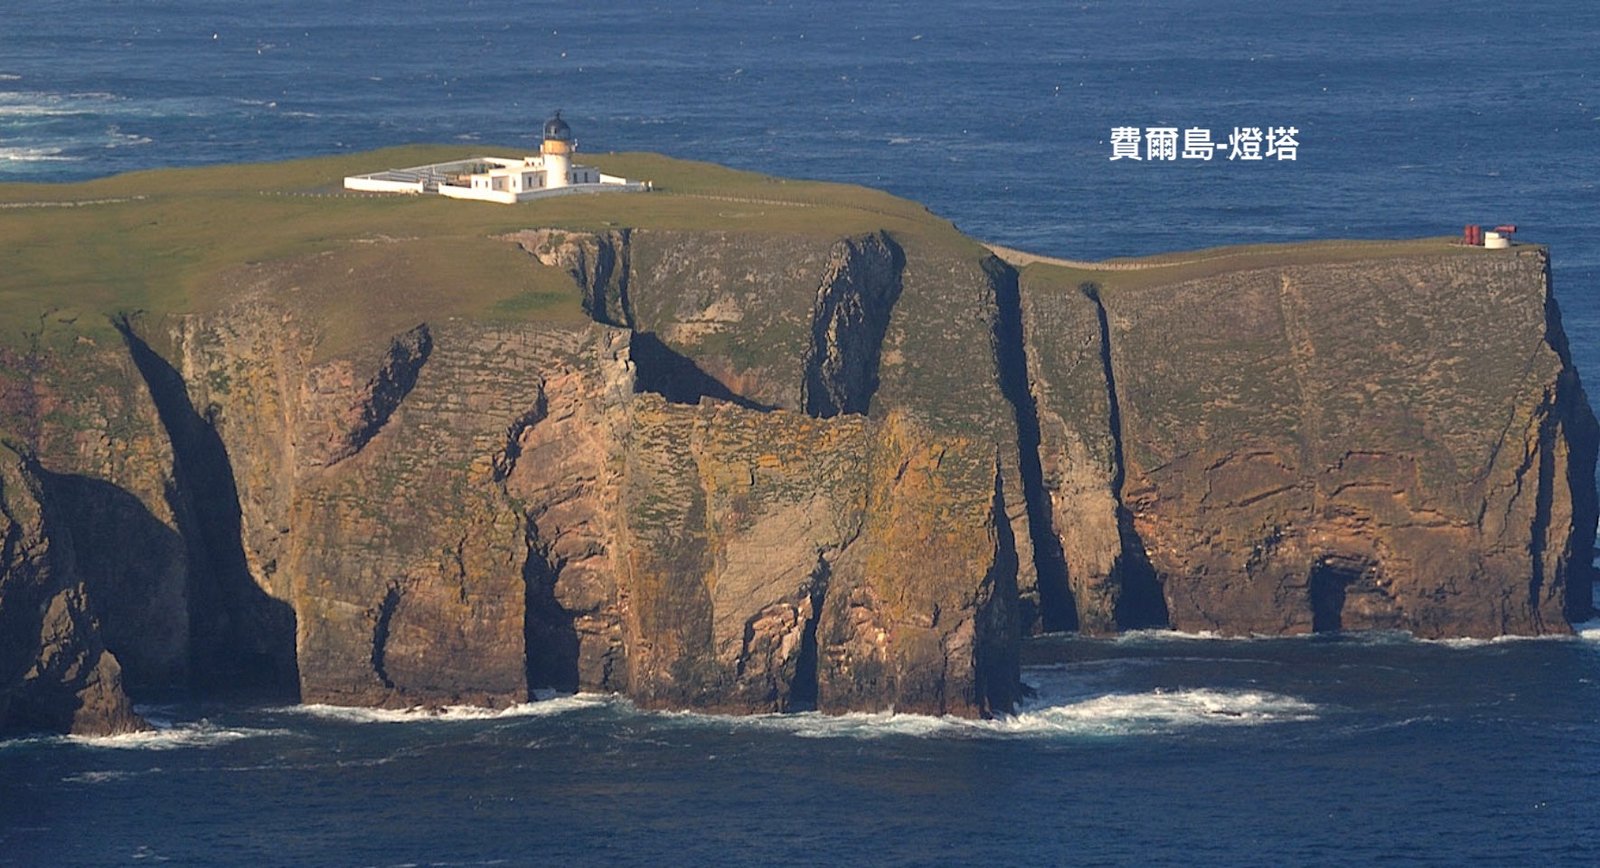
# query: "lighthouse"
[557,150]
[506,180]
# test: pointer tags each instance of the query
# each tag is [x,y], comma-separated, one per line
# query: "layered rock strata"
[1399,443]
[766,473]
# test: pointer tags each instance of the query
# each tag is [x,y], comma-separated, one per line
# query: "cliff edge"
[741,445]
[1330,438]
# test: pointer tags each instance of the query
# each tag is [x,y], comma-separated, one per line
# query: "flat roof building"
[506,180]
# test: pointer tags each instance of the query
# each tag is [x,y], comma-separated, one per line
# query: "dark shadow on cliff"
[134,568]
[1327,590]
[50,641]
[1140,602]
[660,369]
[1056,608]
[1578,424]
[997,667]
[804,690]
[848,323]
[549,634]
[241,640]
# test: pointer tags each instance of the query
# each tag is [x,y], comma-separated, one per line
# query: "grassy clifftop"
[174,241]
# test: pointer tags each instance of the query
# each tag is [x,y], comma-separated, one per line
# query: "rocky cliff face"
[699,496]
[1397,444]
[775,472]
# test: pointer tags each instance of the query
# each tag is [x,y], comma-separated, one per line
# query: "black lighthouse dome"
[557,130]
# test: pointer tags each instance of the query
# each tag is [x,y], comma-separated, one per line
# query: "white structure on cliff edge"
[503,179]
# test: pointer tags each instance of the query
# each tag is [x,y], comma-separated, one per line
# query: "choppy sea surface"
[1151,749]
[1415,118]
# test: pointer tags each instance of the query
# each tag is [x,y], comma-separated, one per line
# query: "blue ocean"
[1412,119]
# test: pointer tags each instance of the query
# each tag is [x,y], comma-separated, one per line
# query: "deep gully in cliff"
[241,639]
[803,692]
[1576,420]
[1057,610]
[549,632]
[1140,603]
[997,655]
[658,368]
[380,632]
[848,323]
[396,377]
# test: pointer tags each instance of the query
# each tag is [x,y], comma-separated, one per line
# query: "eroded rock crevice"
[848,324]
[383,620]
[599,263]
[803,690]
[381,396]
[997,662]
[505,461]
[1332,581]
[1140,602]
[1056,607]
[241,639]
[1575,423]
[661,370]
[550,635]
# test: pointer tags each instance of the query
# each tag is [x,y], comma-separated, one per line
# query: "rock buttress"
[1078,452]
[105,465]
[55,672]
[776,562]
[438,514]
[1398,443]
[410,552]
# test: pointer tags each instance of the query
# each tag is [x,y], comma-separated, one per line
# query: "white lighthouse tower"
[557,150]
[506,180]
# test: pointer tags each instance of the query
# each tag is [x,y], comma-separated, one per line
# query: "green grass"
[184,240]
[1197,264]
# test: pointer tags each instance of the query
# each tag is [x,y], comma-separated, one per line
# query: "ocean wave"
[188,735]
[1470,642]
[101,777]
[34,110]
[35,155]
[1108,714]
[537,708]
[119,139]
[1159,711]
[1365,637]
[23,103]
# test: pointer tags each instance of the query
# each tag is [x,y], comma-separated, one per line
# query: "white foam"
[27,110]
[202,734]
[120,139]
[99,777]
[1158,711]
[34,155]
[9,76]
[1365,637]
[1108,714]
[537,708]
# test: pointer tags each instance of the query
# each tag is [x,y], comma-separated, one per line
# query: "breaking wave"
[1586,630]
[537,708]
[1103,715]
[34,155]
[172,737]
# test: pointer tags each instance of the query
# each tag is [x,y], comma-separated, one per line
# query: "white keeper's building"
[506,180]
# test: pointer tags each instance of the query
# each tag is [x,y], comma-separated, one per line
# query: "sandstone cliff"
[1397,442]
[741,461]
